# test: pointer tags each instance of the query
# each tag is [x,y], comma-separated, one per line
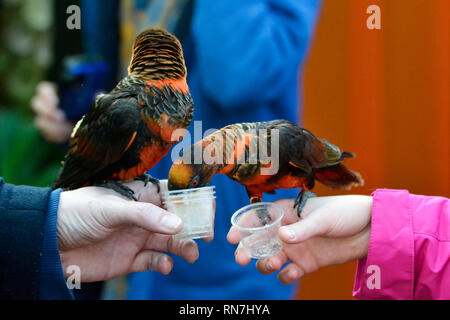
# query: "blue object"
[30,265]
[96,70]
[22,219]
[83,78]
[243,59]
[52,283]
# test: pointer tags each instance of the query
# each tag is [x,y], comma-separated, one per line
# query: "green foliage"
[25,55]
[25,50]
[25,158]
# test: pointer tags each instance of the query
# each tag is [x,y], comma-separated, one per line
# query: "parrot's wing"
[334,154]
[108,131]
[307,152]
[100,138]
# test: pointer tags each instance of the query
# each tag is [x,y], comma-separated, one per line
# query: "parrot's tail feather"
[57,183]
[339,177]
[72,175]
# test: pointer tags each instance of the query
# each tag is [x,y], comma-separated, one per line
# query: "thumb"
[306,228]
[146,216]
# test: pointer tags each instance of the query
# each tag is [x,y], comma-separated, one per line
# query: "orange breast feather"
[149,156]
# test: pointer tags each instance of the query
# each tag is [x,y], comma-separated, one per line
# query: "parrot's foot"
[119,188]
[301,200]
[148,178]
[255,200]
[263,216]
[262,213]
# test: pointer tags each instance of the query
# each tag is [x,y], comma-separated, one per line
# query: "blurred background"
[382,94]
[25,59]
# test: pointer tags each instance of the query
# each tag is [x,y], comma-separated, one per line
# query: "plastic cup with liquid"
[196,208]
[258,225]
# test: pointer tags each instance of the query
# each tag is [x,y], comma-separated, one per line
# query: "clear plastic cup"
[258,225]
[196,208]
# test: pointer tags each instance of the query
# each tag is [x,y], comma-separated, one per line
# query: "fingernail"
[270,266]
[166,260]
[171,222]
[288,232]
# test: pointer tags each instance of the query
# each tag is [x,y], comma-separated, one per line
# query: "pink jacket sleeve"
[409,250]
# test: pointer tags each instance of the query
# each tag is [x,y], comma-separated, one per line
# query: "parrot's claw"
[255,200]
[148,178]
[119,188]
[264,216]
[301,199]
[262,213]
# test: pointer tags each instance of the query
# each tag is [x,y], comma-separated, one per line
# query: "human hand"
[108,236]
[50,120]
[333,230]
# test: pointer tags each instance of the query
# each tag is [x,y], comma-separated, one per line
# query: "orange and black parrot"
[128,130]
[236,151]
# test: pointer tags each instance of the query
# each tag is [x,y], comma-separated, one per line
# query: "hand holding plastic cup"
[196,208]
[258,226]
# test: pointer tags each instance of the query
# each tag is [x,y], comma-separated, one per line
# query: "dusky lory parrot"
[128,130]
[300,159]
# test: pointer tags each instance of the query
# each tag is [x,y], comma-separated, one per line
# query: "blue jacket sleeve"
[52,282]
[22,216]
[244,58]
[30,266]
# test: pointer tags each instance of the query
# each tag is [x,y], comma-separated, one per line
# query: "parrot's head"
[157,55]
[187,174]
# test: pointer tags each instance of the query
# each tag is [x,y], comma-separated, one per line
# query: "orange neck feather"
[178,84]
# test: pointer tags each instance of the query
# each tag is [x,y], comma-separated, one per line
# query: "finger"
[272,264]
[233,236]
[290,273]
[39,106]
[303,230]
[48,91]
[53,131]
[290,212]
[152,260]
[187,249]
[45,103]
[51,125]
[141,214]
[164,188]
[209,239]
[241,256]
[59,116]
[148,193]
[43,85]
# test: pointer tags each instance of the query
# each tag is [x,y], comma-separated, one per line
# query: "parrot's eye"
[195,182]
[181,153]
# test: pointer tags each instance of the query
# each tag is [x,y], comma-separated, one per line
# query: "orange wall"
[383,94]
